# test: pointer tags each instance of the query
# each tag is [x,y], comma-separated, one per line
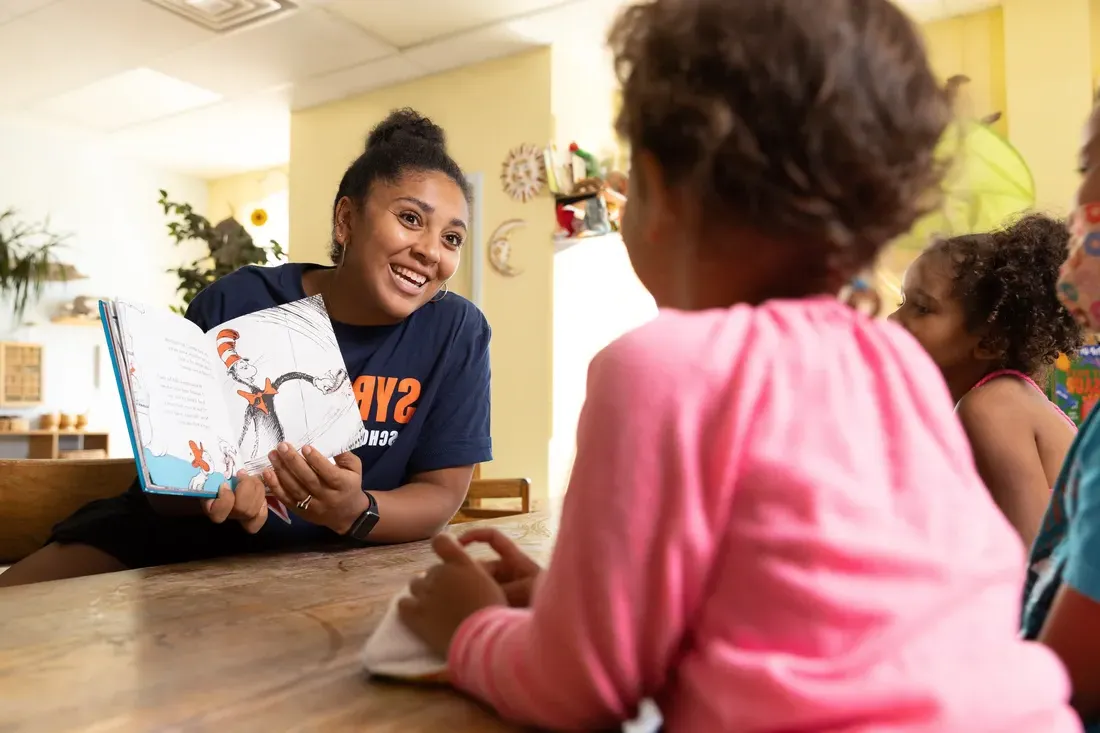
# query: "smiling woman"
[418,358]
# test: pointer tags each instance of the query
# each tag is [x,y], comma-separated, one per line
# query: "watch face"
[365,524]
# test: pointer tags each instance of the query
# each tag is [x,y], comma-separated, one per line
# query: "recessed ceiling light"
[222,16]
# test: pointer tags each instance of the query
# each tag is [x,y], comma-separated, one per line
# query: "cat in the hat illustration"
[260,415]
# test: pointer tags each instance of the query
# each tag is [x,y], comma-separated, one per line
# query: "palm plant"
[27,260]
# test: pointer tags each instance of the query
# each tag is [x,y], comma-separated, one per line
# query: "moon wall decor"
[500,247]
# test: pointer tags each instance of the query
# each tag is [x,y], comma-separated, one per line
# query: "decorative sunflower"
[259,217]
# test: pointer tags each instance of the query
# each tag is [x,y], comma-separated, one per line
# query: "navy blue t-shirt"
[434,365]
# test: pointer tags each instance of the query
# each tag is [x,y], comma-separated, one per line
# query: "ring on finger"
[304,503]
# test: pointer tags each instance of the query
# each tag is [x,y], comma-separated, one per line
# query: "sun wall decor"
[524,172]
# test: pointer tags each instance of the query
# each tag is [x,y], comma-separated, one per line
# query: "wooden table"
[255,643]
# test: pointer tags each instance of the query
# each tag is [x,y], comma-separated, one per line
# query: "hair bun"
[406,123]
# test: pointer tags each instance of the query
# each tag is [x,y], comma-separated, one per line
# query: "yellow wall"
[1033,61]
[237,196]
[233,195]
[972,45]
[486,110]
[1048,68]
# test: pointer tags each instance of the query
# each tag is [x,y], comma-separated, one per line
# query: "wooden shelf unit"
[47,443]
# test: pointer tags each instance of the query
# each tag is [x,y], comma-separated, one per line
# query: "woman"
[399,222]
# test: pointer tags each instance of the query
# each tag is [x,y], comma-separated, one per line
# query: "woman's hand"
[320,492]
[247,504]
[447,595]
[513,571]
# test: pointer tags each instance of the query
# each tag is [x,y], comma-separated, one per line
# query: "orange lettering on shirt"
[384,391]
[364,394]
[406,406]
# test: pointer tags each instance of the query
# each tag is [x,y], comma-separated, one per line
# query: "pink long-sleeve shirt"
[774,525]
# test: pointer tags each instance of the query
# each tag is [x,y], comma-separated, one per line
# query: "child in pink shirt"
[774,523]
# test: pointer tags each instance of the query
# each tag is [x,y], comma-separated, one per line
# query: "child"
[985,309]
[773,521]
[1062,596]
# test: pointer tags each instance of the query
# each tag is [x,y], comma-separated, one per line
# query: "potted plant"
[27,260]
[230,247]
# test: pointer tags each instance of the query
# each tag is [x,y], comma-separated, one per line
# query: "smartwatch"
[362,527]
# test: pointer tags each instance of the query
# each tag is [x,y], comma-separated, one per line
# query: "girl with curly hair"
[985,307]
[1062,595]
[773,522]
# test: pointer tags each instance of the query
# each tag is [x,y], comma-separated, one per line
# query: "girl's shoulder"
[771,341]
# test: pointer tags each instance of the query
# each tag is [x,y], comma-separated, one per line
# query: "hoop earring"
[441,294]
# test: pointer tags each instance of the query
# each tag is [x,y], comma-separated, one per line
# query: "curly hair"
[405,141]
[1006,282]
[810,119]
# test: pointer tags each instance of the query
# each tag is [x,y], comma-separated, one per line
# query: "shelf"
[47,443]
[74,321]
[31,433]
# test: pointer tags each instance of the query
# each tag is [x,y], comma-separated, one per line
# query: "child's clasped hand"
[460,586]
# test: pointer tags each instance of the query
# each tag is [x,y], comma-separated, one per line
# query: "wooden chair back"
[37,494]
[481,490]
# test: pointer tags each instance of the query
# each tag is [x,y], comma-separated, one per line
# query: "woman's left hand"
[447,595]
[315,489]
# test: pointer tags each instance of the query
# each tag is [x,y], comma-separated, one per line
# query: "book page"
[120,367]
[284,379]
[174,386]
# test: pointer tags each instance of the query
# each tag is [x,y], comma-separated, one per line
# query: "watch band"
[362,527]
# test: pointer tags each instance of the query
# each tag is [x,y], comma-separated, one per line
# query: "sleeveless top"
[1020,375]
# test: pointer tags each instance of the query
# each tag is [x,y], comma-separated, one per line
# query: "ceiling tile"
[132,97]
[98,39]
[406,23]
[230,137]
[469,48]
[356,80]
[295,47]
[11,9]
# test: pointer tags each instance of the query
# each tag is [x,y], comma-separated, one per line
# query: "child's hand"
[514,571]
[247,504]
[447,595]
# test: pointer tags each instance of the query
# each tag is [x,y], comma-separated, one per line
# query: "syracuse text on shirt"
[385,400]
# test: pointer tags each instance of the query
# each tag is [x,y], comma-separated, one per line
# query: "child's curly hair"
[812,119]
[1006,282]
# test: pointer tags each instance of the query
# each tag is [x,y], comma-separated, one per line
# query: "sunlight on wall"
[597,298]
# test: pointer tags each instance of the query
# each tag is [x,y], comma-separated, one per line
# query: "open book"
[202,406]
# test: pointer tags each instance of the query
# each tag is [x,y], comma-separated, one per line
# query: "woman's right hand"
[247,504]
[514,571]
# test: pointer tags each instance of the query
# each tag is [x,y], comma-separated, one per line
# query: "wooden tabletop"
[255,643]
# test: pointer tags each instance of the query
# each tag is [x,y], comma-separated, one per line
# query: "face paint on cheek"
[1079,279]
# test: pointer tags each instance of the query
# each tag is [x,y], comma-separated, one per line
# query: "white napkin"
[394,651]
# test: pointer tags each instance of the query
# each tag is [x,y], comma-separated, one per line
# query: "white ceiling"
[171,92]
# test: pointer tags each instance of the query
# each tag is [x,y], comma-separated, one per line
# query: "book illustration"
[200,460]
[261,427]
[286,381]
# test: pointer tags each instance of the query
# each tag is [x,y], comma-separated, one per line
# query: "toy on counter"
[589,168]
